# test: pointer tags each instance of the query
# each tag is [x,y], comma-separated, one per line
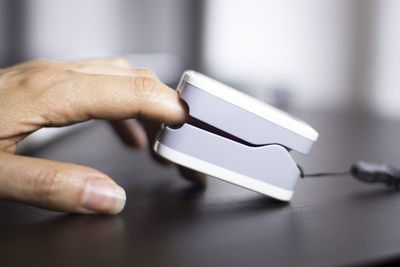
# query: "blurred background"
[319,55]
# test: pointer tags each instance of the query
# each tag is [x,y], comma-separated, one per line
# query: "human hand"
[44,93]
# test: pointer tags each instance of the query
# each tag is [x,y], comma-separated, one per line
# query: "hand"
[44,93]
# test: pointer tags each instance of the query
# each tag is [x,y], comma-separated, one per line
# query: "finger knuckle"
[39,76]
[47,183]
[144,73]
[145,87]
[121,61]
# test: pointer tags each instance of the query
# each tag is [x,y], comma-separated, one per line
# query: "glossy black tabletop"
[332,221]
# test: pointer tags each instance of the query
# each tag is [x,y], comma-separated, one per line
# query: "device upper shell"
[243,116]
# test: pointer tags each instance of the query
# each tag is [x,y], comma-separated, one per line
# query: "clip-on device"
[236,138]
[246,142]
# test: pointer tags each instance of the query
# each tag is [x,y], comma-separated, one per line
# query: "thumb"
[58,186]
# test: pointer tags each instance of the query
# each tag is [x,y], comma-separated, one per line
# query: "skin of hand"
[44,93]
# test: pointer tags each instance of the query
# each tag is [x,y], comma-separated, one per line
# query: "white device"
[236,138]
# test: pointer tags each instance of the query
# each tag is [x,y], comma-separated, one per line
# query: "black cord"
[318,174]
[365,172]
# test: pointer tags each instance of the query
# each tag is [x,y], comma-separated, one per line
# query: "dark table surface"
[168,222]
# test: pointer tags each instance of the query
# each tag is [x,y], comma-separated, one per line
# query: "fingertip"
[198,178]
[185,108]
[163,103]
[179,108]
[101,196]
[87,190]
[130,133]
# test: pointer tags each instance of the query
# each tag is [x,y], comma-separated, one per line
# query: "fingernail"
[103,197]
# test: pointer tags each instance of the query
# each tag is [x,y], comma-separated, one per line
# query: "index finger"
[111,97]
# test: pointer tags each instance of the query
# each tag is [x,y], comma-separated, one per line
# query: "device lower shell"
[268,170]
